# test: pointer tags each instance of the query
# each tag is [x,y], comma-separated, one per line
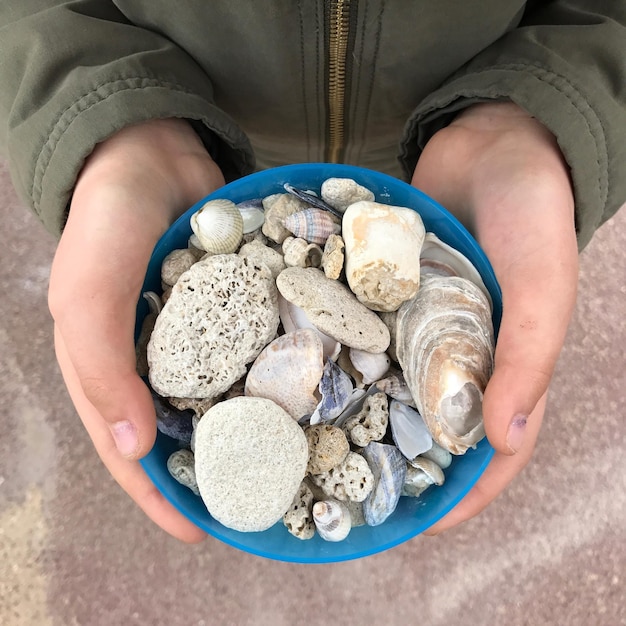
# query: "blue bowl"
[413,515]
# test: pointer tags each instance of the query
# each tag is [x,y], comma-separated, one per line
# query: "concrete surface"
[75,550]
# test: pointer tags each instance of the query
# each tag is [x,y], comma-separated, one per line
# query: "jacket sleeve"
[566,65]
[72,74]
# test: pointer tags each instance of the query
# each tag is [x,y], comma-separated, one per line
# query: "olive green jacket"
[271,82]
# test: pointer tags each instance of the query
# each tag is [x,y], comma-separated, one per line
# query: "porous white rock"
[251,457]
[299,518]
[260,253]
[332,308]
[370,423]
[350,480]
[340,193]
[220,315]
[176,263]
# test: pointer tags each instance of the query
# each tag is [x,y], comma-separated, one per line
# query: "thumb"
[537,300]
[94,285]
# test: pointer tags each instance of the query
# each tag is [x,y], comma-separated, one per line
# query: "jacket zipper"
[339,30]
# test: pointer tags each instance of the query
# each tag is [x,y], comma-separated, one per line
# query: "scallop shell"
[288,371]
[299,252]
[389,469]
[314,225]
[218,225]
[383,245]
[332,520]
[410,433]
[371,365]
[441,259]
[445,346]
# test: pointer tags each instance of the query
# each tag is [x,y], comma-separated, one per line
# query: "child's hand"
[502,174]
[132,187]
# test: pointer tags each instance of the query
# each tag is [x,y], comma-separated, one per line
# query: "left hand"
[501,173]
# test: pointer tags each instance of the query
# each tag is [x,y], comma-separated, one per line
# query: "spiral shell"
[299,252]
[445,346]
[218,225]
[332,520]
[314,225]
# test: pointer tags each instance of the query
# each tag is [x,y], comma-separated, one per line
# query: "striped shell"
[314,225]
[218,225]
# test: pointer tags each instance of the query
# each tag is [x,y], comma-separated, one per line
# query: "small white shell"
[218,225]
[410,433]
[371,365]
[293,318]
[299,252]
[253,216]
[332,519]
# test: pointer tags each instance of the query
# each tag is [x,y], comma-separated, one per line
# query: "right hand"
[131,188]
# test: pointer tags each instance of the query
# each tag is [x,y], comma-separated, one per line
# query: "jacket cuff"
[548,97]
[112,106]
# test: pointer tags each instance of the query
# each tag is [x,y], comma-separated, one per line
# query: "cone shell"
[218,225]
[383,246]
[445,347]
[314,225]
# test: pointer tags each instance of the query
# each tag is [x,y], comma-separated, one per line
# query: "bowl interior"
[413,515]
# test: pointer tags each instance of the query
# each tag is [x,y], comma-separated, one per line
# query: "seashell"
[181,466]
[311,199]
[383,245]
[195,247]
[409,432]
[357,401]
[370,423]
[371,365]
[389,319]
[445,345]
[438,455]
[421,474]
[288,371]
[314,225]
[218,225]
[389,469]
[299,517]
[437,257]
[173,422]
[340,193]
[336,390]
[395,386]
[299,252]
[252,214]
[333,257]
[293,318]
[332,520]
[277,207]
[328,447]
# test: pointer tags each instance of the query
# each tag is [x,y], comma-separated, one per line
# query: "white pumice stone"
[222,312]
[251,457]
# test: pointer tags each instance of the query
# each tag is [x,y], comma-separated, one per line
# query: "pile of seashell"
[373,335]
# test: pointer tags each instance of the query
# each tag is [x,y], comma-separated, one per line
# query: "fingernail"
[516,432]
[125,435]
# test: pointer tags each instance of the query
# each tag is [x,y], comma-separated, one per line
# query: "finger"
[95,283]
[538,282]
[128,474]
[496,478]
